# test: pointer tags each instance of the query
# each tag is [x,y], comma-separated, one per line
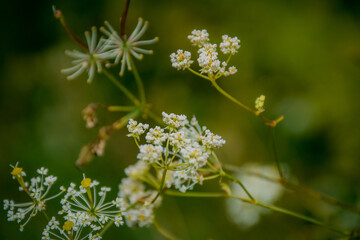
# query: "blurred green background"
[303,55]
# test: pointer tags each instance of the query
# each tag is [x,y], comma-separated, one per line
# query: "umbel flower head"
[89,61]
[37,190]
[122,48]
[182,147]
[89,206]
[210,65]
[73,229]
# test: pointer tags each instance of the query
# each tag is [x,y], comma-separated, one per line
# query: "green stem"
[46,216]
[240,183]
[107,226]
[194,194]
[271,207]
[139,82]
[161,185]
[273,143]
[120,86]
[121,108]
[200,75]
[218,162]
[163,231]
[223,92]
[154,117]
[294,214]
[298,189]
[123,121]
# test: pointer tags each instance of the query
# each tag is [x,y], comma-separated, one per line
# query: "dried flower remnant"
[89,115]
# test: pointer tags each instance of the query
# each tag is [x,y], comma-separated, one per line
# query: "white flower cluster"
[136,198]
[37,190]
[135,129]
[181,59]
[115,47]
[87,208]
[182,146]
[71,230]
[208,56]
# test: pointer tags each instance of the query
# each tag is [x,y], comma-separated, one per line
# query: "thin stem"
[161,185]
[46,216]
[107,226]
[194,194]
[240,183]
[121,108]
[273,144]
[218,162]
[154,117]
[163,231]
[123,121]
[120,86]
[298,189]
[271,123]
[271,207]
[123,18]
[58,15]
[223,92]
[294,214]
[200,75]
[139,82]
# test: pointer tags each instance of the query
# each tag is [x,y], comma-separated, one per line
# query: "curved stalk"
[163,231]
[120,86]
[298,189]
[139,82]
[271,207]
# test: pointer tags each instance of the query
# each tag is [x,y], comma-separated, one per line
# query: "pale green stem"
[273,144]
[240,183]
[139,82]
[211,177]
[161,185]
[46,216]
[297,189]
[271,207]
[200,75]
[163,231]
[107,226]
[294,214]
[218,162]
[121,108]
[154,117]
[123,121]
[120,86]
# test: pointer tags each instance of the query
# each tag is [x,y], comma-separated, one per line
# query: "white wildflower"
[136,129]
[199,37]
[37,189]
[156,135]
[181,59]
[174,121]
[150,153]
[229,45]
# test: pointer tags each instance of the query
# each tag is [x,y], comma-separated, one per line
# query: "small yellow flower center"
[16,171]
[181,56]
[68,225]
[85,183]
